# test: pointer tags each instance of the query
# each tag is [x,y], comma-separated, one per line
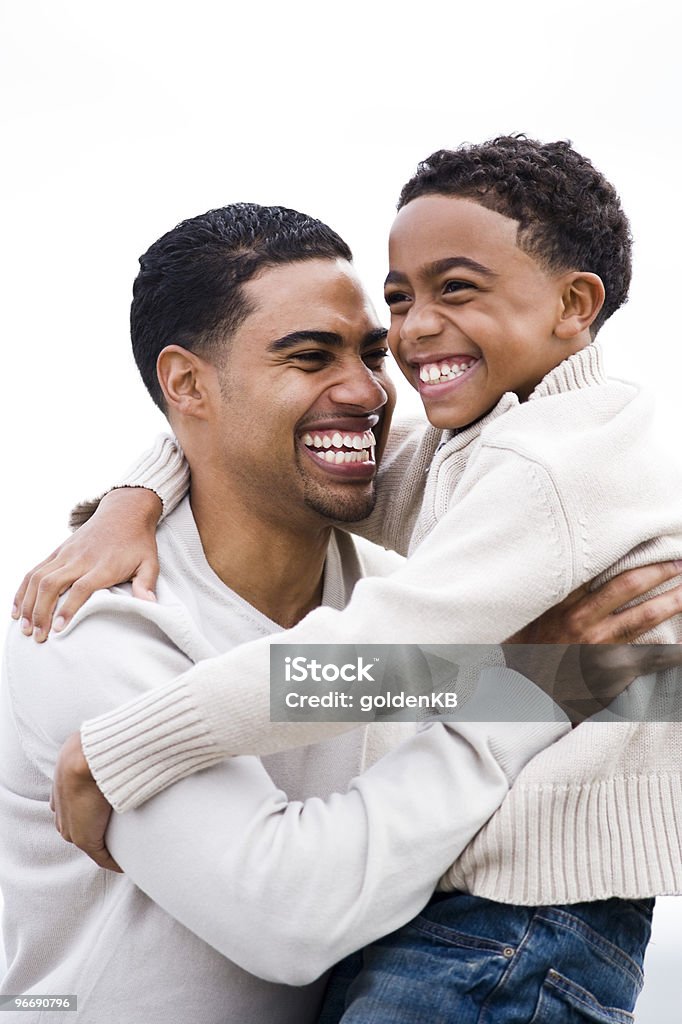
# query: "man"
[251,332]
[259,332]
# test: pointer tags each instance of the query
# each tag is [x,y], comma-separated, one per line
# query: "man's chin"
[352,507]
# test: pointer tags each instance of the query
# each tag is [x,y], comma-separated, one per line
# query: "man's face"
[472,315]
[305,394]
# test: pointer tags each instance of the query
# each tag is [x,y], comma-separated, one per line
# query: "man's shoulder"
[115,648]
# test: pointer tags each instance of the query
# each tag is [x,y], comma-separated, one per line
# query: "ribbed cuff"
[163,470]
[136,751]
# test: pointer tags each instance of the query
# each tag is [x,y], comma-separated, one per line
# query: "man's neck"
[277,568]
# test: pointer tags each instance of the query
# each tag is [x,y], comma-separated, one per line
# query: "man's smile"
[341,449]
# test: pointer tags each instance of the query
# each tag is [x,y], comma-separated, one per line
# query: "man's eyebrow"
[329,338]
[296,337]
[441,267]
[372,337]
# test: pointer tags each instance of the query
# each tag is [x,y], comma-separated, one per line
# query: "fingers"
[144,580]
[105,860]
[49,589]
[627,626]
[631,584]
[81,590]
[95,850]
[20,595]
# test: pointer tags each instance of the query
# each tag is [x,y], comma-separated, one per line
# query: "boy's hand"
[117,544]
[81,812]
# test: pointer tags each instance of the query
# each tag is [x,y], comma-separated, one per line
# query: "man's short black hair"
[569,216]
[189,288]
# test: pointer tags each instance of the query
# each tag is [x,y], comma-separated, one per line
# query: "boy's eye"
[395,298]
[450,287]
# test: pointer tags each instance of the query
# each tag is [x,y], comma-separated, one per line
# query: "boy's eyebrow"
[323,338]
[441,267]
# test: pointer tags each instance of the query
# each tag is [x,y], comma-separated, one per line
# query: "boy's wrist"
[136,501]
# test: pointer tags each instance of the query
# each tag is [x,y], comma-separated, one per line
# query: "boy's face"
[472,315]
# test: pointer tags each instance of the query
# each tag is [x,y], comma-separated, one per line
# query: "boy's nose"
[420,322]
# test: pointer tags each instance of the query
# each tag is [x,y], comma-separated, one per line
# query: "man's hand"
[81,812]
[117,544]
[598,617]
[581,650]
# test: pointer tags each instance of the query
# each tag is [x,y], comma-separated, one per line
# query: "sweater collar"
[581,370]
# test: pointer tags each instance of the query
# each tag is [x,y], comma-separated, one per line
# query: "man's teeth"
[338,458]
[336,448]
[438,373]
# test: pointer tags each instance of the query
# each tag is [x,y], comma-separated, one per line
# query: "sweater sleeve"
[282,888]
[287,889]
[478,578]
[163,469]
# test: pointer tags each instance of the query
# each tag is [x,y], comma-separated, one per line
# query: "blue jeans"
[466,960]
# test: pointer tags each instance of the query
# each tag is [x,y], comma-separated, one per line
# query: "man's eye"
[395,298]
[313,358]
[375,358]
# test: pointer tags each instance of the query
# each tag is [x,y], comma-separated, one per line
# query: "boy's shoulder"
[576,409]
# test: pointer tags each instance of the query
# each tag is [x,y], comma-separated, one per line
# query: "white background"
[119,120]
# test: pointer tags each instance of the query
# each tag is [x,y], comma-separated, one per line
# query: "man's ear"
[582,297]
[183,377]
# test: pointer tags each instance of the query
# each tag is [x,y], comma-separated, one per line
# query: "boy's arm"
[477,578]
[114,541]
[162,469]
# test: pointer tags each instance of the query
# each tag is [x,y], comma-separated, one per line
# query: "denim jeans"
[467,960]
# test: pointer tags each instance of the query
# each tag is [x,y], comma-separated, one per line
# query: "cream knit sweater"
[517,511]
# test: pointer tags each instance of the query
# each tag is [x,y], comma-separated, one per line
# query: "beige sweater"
[517,511]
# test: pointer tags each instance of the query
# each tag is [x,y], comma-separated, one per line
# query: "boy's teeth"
[437,373]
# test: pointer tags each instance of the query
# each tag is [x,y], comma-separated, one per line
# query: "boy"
[506,258]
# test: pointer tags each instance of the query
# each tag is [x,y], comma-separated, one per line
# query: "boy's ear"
[582,297]
[183,377]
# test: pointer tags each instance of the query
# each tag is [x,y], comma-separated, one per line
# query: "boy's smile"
[472,315]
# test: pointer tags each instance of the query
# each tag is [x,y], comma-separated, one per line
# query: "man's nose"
[359,386]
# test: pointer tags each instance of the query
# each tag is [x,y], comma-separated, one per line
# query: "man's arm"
[283,889]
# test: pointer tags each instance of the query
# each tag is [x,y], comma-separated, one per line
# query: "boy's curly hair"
[569,215]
